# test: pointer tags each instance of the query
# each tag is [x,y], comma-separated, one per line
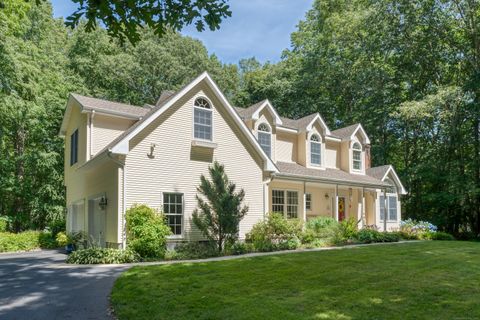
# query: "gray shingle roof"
[135,125]
[345,133]
[333,175]
[164,96]
[247,113]
[90,103]
[378,172]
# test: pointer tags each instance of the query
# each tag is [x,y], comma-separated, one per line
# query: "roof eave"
[292,176]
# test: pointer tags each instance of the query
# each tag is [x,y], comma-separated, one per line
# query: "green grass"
[423,280]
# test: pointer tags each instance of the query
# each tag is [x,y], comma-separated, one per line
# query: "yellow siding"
[106,129]
[332,152]
[177,165]
[286,147]
[81,185]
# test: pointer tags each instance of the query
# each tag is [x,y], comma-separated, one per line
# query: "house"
[118,155]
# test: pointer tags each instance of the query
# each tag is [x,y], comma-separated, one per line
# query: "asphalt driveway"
[39,285]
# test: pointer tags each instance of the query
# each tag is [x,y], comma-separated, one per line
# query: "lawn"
[422,280]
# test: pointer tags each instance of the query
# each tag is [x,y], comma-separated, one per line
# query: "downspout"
[124,195]
[90,132]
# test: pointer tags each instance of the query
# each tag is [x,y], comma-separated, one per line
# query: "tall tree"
[220,208]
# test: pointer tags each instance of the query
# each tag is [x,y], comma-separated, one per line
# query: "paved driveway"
[39,285]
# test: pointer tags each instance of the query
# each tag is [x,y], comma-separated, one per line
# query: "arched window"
[202,119]
[357,156]
[315,150]
[265,138]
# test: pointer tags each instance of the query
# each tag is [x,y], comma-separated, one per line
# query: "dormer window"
[315,150]
[202,120]
[357,156]
[265,138]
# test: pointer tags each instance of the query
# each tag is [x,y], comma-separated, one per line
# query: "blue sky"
[259,28]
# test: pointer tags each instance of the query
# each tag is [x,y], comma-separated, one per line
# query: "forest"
[409,71]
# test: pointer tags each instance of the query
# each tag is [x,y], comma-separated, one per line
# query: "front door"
[96,222]
[341,208]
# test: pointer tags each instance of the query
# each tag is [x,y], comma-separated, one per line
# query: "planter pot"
[69,248]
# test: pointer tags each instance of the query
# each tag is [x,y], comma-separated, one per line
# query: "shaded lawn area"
[422,280]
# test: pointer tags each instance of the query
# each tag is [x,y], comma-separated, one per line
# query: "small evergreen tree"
[219,216]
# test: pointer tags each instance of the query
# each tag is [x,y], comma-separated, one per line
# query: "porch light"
[103,203]
[327,196]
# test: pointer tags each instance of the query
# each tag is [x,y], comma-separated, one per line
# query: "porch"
[306,200]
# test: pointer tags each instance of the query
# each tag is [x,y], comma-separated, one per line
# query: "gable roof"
[253,111]
[338,176]
[89,104]
[347,133]
[120,145]
[381,173]
[164,96]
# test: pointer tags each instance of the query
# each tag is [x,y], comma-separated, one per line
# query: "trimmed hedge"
[102,256]
[26,241]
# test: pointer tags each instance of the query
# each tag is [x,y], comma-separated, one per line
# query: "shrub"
[46,240]
[240,247]
[103,256]
[275,233]
[3,224]
[368,235]
[412,229]
[192,250]
[24,241]
[319,232]
[56,226]
[62,239]
[146,231]
[439,235]
[346,231]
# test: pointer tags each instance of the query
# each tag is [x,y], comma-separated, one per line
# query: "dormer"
[312,135]
[263,120]
[354,148]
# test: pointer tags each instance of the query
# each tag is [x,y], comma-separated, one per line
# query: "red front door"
[341,208]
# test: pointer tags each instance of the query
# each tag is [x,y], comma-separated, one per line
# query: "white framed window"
[357,156]
[315,150]
[391,207]
[308,201]
[173,210]
[202,119]
[265,138]
[278,201]
[285,202]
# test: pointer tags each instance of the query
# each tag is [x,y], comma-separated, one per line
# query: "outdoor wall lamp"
[327,196]
[151,155]
[103,203]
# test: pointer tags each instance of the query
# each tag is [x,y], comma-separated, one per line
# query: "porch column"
[385,211]
[304,213]
[336,202]
[364,218]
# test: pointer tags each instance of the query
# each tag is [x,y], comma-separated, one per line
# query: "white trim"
[204,143]
[318,117]
[175,236]
[266,103]
[363,132]
[285,129]
[211,109]
[122,147]
[396,179]
[330,138]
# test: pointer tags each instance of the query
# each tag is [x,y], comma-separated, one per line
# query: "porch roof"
[335,176]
